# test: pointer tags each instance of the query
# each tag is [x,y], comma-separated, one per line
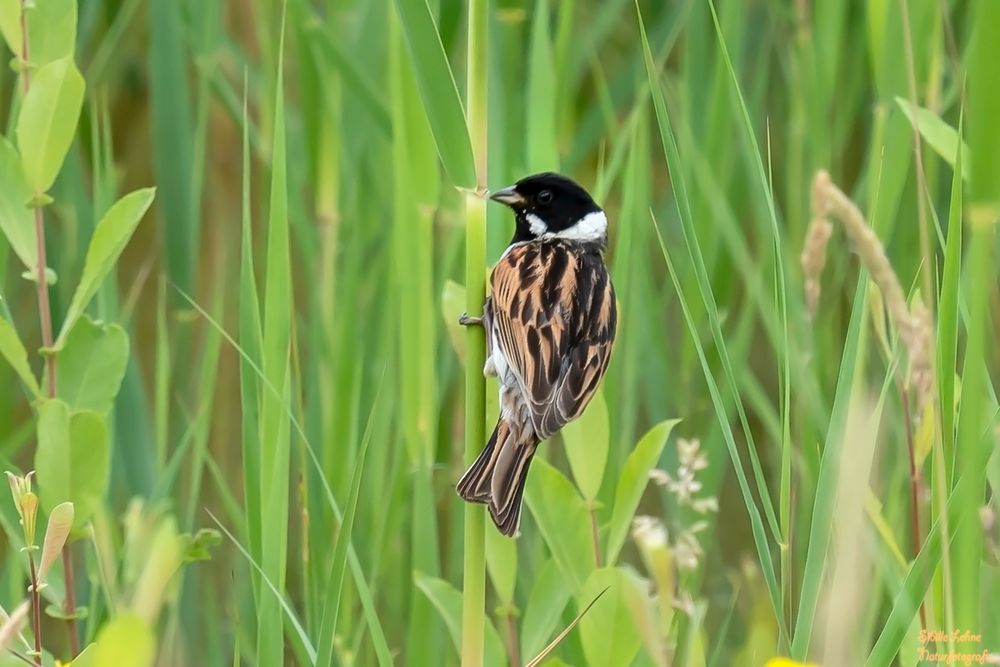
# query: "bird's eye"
[545,196]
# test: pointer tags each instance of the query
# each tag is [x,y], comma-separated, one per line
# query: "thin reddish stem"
[45,321]
[915,535]
[70,605]
[44,310]
[36,612]
[25,72]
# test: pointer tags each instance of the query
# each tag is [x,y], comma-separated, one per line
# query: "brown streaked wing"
[555,318]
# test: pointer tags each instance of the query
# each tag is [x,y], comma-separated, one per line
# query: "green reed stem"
[474,586]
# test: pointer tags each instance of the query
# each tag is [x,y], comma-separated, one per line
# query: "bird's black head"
[552,206]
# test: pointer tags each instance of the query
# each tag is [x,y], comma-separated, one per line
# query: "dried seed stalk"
[914,324]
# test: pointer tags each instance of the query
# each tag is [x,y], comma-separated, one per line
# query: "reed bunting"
[550,323]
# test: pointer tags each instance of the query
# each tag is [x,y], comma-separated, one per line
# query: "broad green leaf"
[51,28]
[546,602]
[125,640]
[501,563]
[92,364]
[608,633]
[13,351]
[632,482]
[438,91]
[562,519]
[448,602]
[110,237]
[587,440]
[47,121]
[56,532]
[72,459]
[938,134]
[10,24]
[16,220]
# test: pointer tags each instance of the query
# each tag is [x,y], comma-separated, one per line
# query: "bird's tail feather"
[475,483]
[497,477]
[508,486]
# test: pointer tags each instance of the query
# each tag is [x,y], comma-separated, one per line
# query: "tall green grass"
[276,354]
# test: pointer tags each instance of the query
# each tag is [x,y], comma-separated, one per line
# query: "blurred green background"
[291,297]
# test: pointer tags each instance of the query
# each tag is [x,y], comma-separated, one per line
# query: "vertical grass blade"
[338,567]
[914,587]
[274,419]
[438,90]
[250,361]
[947,356]
[982,214]
[823,507]
[173,139]
[669,145]
[416,185]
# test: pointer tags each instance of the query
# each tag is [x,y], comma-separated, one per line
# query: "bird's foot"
[467,320]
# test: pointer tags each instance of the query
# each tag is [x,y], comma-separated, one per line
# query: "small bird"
[550,322]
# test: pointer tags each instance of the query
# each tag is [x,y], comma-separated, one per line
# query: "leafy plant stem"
[36,604]
[42,290]
[45,319]
[70,584]
[512,640]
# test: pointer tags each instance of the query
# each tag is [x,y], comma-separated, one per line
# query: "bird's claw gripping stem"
[467,320]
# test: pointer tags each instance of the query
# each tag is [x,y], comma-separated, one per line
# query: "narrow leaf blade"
[110,237]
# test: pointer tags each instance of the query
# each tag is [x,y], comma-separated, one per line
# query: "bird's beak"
[508,196]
